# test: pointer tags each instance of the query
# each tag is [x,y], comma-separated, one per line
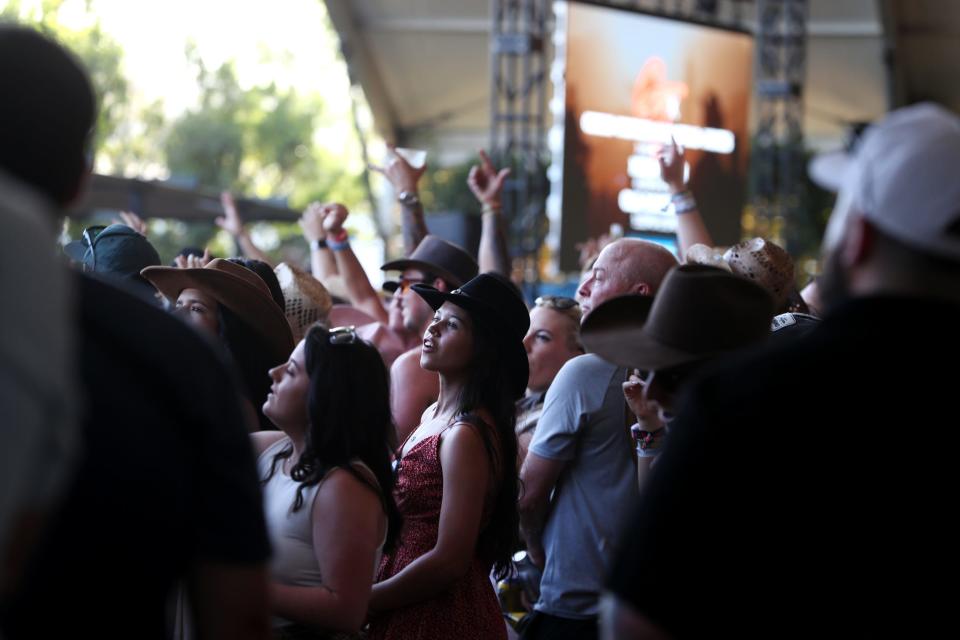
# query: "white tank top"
[291,532]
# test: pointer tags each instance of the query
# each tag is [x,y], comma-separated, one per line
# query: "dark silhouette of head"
[47,114]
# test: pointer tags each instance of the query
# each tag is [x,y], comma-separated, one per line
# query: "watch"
[408,198]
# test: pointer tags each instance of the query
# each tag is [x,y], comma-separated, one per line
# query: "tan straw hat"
[756,259]
[307,300]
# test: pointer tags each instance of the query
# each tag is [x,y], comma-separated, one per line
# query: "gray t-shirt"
[584,424]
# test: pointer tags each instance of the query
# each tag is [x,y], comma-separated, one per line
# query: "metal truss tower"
[518,119]
[778,152]
[520,72]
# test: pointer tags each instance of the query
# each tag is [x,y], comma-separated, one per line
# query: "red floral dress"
[469,609]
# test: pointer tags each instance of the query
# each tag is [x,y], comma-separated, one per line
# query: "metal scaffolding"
[518,119]
[520,62]
[778,152]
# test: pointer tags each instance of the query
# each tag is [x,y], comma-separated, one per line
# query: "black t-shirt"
[166,478]
[809,491]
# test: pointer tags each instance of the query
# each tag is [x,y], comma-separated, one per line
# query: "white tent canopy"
[424,65]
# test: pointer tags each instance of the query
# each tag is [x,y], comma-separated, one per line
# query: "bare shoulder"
[408,358]
[343,489]
[463,434]
[407,367]
[263,440]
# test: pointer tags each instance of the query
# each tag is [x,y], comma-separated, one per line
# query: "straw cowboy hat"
[757,259]
[306,300]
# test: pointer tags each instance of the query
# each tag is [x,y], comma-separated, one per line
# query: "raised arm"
[486,183]
[361,292]
[466,476]
[322,262]
[232,223]
[405,180]
[691,229]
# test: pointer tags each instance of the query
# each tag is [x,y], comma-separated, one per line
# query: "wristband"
[490,208]
[683,202]
[319,243]
[338,242]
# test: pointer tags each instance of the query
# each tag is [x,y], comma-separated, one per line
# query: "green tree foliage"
[100,53]
[256,141]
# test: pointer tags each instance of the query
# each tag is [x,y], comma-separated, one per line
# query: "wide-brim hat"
[306,300]
[236,288]
[439,257]
[700,312]
[766,263]
[490,298]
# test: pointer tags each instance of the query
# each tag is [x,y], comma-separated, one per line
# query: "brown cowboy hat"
[438,257]
[236,288]
[698,313]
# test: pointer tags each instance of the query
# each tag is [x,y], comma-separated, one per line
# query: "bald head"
[626,266]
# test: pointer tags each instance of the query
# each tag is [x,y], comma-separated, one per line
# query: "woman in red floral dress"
[456,473]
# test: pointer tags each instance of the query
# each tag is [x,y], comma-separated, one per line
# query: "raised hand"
[230,221]
[133,221]
[312,222]
[193,262]
[334,215]
[673,162]
[486,182]
[398,171]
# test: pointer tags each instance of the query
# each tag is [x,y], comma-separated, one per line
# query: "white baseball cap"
[904,177]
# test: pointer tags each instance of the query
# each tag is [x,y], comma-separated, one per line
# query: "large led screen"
[630,81]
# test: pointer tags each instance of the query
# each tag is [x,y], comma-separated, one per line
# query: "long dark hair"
[348,408]
[488,387]
[252,356]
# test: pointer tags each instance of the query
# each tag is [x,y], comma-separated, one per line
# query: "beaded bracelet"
[650,442]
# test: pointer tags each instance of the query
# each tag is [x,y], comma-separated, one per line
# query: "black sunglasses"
[406,283]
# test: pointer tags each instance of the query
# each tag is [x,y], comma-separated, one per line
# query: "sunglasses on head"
[561,303]
[343,335]
[88,238]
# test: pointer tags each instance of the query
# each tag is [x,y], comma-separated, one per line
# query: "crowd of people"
[690,446]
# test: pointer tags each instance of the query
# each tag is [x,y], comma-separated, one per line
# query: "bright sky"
[154,36]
